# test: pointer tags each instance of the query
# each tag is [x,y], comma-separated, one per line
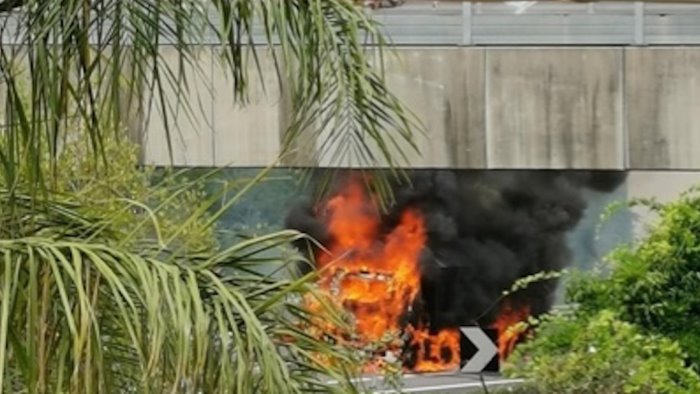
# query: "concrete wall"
[662,186]
[215,130]
[551,107]
[663,93]
[554,108]
[445,89]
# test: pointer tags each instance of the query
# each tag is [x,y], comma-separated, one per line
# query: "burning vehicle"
[443,253]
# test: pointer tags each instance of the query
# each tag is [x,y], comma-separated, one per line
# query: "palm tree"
[91,303]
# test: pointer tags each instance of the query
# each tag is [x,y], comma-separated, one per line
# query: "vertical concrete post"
[466,23]
[638,23]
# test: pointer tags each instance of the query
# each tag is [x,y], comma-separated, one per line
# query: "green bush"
[128,194]
[655,285]
[581,353]
[112,281]
[636,324]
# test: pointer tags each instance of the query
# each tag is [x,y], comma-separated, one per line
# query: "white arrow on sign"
[486,350]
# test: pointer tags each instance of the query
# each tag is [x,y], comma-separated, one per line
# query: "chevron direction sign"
[478,348]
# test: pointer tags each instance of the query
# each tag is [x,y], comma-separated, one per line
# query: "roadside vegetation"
[635,325]
[117,284]
[112,279]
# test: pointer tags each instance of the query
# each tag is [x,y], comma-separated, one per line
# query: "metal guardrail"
[541,23]
[454,23]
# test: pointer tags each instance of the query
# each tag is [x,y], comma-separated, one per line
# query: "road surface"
[438,383]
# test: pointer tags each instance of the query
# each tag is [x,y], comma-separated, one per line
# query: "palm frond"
[99,295]
[115,319]
[97,65]
[92,301]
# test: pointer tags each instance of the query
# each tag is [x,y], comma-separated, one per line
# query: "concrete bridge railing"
[487,107]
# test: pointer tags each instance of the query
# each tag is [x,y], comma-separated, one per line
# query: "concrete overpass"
[551,85]
[538,88]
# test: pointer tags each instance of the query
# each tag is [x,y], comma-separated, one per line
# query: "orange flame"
[508,333]
[435,353]
[377,277]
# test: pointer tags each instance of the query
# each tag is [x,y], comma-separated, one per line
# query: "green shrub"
[655,285]
[128,193]
[636,325]
[581,353]
[112,281]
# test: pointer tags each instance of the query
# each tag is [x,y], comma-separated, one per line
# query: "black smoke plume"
[485,230]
